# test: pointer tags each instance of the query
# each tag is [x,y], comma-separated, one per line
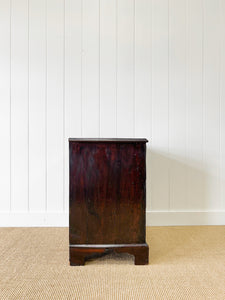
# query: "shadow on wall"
[175,183]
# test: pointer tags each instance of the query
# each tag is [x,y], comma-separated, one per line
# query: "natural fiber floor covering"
[185,263]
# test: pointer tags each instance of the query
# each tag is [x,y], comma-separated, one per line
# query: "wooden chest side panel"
[107,193]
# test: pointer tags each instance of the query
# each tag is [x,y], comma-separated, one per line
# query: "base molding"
[188,218]
[34,219]
[153,218]
[81,253]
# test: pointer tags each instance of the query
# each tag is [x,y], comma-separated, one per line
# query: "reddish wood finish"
[107,198]
[78,255]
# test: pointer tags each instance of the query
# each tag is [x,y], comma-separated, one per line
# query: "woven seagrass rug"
[185,263]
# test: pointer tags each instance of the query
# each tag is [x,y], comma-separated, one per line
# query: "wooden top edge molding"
[107,245]
[114,140]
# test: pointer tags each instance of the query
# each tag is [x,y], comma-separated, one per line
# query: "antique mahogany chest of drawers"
[107,198]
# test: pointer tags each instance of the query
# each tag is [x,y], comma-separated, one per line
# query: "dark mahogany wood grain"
[107,196]
[78,255]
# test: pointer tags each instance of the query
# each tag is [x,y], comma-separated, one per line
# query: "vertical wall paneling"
[125,68]
[177,104]
[195,172]
[159,144]
[108,61]
[90,68]
[143,66]
[73,80]
[19,105]
[37,104]
[55,104]
[143,78]
[73,67]
[212,102]
[5,105]
[113,68]
[222,105]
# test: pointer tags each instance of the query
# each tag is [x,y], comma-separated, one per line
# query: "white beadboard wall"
[113,68]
